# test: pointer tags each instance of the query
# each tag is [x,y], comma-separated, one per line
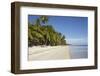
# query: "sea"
[78,51]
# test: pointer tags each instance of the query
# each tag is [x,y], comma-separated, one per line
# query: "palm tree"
[34,35]
[44,19]
[63,40]
[44,35]
[37,22]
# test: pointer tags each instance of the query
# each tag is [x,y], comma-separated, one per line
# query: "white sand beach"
[48,53]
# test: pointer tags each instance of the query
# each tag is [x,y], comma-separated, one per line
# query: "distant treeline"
[40,33]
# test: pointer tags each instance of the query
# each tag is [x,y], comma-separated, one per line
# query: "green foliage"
[44,35]
[44,19]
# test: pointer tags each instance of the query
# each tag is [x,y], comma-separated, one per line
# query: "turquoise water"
[78,51]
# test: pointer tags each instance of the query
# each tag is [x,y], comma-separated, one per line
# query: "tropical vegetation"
[41,33]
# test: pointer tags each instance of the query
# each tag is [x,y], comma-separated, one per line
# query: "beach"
[48,53]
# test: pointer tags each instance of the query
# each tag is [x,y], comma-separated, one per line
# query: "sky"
[74,28]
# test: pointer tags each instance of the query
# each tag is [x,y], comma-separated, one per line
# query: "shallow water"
[78,51]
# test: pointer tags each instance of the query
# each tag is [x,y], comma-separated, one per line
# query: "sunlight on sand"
[48,53]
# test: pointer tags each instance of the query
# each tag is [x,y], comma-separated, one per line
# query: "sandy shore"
[48,53]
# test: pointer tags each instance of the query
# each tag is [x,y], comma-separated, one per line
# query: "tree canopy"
[41,33]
